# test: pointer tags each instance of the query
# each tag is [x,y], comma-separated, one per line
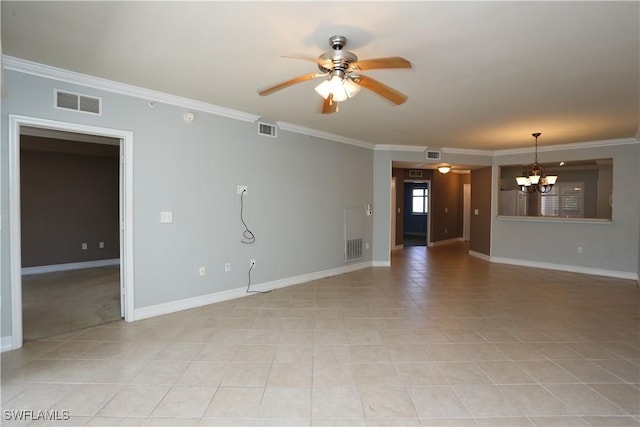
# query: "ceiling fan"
[341,70]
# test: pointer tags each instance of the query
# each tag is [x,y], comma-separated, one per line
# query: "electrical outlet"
[242,188]
[101,245]
[252,263]
[227,267]
[202,271]
[580,250]
[84,246]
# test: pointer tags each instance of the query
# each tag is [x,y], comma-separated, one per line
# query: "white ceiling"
[485,74]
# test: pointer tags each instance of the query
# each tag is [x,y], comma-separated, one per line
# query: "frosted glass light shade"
[324,89]
[350,87]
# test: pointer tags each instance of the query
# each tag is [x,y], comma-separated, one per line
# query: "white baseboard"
[381,264]
[6,344]
[199,301]
[564,267]
[70,266]
[480,255]
[446,242]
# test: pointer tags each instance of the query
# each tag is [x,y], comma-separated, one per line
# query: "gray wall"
[609,246]
[298,187]
[67,199]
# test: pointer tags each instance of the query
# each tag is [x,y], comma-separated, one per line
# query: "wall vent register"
[77,102]
[434,155]
[267,130]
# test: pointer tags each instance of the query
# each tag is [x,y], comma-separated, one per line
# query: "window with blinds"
[420,201]
[565,200]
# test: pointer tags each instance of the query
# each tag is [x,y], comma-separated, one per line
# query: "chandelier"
[536,179]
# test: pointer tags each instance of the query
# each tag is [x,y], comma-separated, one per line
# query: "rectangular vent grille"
[267,130]
[415,173]
[77,102]
[434,155]
[353,249]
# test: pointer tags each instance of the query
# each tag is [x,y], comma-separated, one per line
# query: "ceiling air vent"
[434,155]
[267,130]
[77,102]
[415,173]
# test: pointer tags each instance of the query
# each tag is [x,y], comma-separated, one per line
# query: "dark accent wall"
[446,208]
[480,240]
[446,193]
[68,197]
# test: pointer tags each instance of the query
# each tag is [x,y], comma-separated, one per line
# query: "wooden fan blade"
[325,63]
[283,85]
[381,89]
[377,63]
[329,105]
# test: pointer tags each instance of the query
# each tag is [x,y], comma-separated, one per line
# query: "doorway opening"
[417,202]
[70,246]
[44,243]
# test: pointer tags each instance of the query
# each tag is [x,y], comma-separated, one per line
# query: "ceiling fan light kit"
[341,68]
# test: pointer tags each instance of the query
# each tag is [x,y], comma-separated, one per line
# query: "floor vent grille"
[353,249]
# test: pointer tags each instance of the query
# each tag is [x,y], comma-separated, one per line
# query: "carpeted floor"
[65,301]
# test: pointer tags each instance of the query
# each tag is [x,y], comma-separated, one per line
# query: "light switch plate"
[166,217]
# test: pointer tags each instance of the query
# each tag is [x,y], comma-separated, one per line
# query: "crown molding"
[467,151]
[570,146]
[46,71]
[391,147]
[40,70]
[324,135]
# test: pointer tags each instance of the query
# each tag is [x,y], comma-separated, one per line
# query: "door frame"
[125,214]
[428,242]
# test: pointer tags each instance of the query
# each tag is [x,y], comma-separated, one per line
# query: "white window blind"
[564,200]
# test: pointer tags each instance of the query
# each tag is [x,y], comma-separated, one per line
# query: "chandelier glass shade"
[536,179]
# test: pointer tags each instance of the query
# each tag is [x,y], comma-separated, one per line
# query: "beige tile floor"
[438,339]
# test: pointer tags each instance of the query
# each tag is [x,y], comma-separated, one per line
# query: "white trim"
[70,266]
[381,264]
[6,344]
[391,147]
[126,212]
[565,267]
[397,247]
[480,255]
[446,242]
[468,151]
[553,219]
[570,146]
[40,70]
[199,301]
[324,135]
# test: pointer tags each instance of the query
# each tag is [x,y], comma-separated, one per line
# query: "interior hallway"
[438,339]
[66,301]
